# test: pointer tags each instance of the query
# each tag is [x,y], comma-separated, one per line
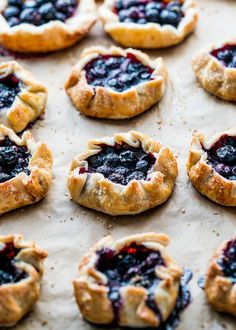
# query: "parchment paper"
[196,225]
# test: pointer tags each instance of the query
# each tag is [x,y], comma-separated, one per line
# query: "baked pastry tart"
[132,282]
[215,68]
[211,166]
[22,97]
[124,174]
[21,270]
[25,170]
[116,83]
[43,26]
[149,23]
[220,281]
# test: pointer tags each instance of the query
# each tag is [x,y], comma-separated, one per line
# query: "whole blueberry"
[105,170]
[13,21]
[227,154]
[127,156]
[4,177]
[8,156]
[136,175]
[233,63]
[225,55]
[95,160]
[142,165]
[112,160]
[169,17]
[152,15]
[17,3]
[11,12]
[47,11]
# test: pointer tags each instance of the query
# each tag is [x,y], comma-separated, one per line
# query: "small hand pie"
[25,170]
[124,174]
[44,26]
[22,97]
[149,24]
[215,68]
[116,83]
[212,166]
[132,282]
[220,281]
[21,270]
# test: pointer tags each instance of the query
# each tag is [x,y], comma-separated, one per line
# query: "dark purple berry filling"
[150,11]
[227,260]
[9,273]
[135,265]
[121,163]
[117,72]
[226,55]
[38,12]
[13,160]
[222,156]
[10,87]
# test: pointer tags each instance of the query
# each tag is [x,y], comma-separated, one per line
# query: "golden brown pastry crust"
[204,178]
[17,299]
[220,290]
[107,103]
[149,35]
[29,104]
[52,36]
[91,291]
[93,190]
[26,189]
[213,75]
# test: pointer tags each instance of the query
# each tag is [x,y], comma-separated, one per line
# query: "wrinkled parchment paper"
[196,225]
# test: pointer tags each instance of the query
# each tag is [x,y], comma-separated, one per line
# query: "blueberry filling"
[38,12]
[135,265]
[10,87]
[226,55]
[9,273]
[121,163]
[150,11]
[222,156]
[227,260]
[13,160]
[117,72]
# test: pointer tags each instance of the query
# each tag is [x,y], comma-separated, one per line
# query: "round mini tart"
[116,83]
[220,281]
[124,174]
[25,170]
[37,26]
[215,68]
[211,166]
[149,23]
[132,282]
[22,97]
[21,270]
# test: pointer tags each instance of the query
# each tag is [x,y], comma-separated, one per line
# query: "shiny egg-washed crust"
[17,299]
[204,178]
[26,189]
[220,290]
[52,36]
[93,190]
[103,102]
[149,35]
[91,290]
[29,104]
[216,78]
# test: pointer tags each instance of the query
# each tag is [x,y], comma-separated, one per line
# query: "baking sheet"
[196,225]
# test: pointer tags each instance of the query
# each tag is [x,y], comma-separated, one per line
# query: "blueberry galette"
[22,97]
[25,170]
[116,83]
[124,174]
[44,25]
[21,270]
[220,281]
[215,68]
[149,23]
[212,166]
[132,282]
